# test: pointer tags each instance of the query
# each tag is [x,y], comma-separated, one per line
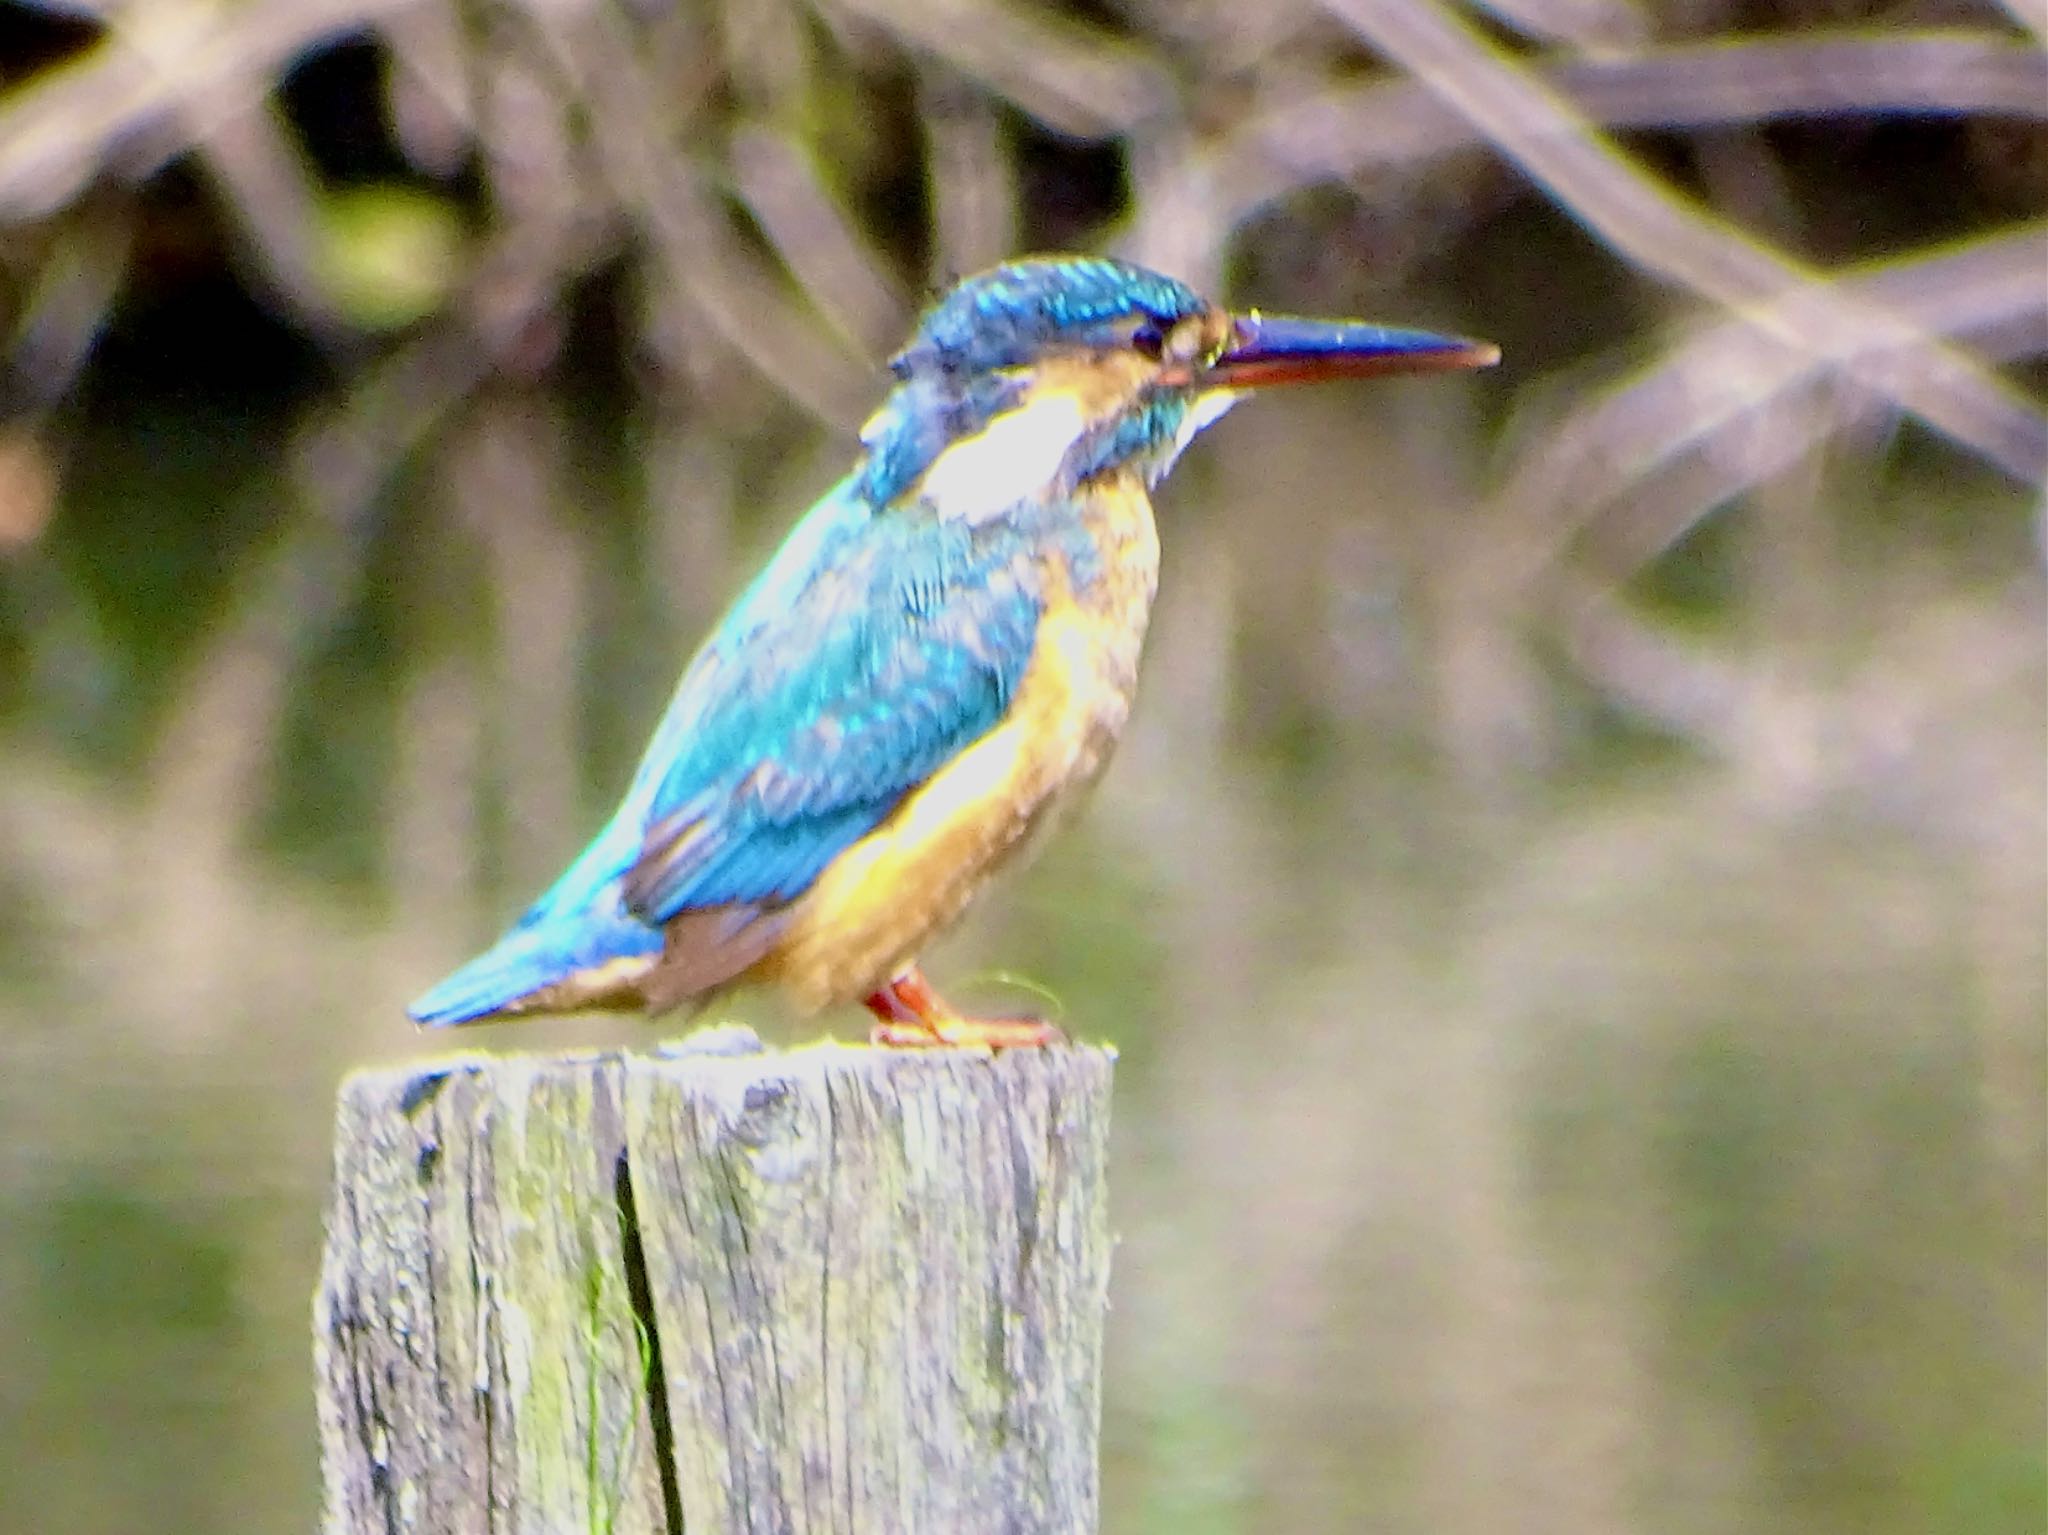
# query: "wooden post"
[836,1291]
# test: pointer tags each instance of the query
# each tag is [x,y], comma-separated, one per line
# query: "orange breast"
[867,916]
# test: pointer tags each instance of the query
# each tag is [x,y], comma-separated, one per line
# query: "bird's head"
[1040,374]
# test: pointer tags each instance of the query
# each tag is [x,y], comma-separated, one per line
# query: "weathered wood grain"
[835,1291]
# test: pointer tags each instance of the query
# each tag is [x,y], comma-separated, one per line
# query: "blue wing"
[872,649]
[819,707]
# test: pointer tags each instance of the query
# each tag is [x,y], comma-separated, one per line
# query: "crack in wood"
[640,1295]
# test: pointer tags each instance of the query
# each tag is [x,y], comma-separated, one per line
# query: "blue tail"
[577,938]
[585,954]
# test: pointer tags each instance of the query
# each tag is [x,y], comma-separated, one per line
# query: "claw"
[913,1016]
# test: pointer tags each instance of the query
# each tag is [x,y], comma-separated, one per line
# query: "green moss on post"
[832,1291]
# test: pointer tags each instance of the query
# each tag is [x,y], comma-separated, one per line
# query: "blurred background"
[1572,899]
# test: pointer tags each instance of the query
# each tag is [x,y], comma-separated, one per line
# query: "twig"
[2031,14]
[59,130]
[1068,77]
[971,181]
[1722,378]
[1670,238]
[1337,132]
[692,240]
[1584,23]
[830,256]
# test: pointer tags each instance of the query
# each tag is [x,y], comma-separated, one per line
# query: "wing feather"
[902,649]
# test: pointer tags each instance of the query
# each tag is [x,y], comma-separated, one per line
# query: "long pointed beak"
[1287,349]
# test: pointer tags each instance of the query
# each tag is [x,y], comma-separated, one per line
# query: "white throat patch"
[1014,456]
[1207,408]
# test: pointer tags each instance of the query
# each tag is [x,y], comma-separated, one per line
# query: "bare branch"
[780,182]
[68,301]
[692,240]
[1339,132]
[1729,376]
[2031,14]
[971,182]
[58,131]
[1584,23]
[1068,77]
[1671,238]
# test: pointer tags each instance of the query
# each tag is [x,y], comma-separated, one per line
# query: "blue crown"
[1008,314]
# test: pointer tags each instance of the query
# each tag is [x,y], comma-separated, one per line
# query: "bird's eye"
[1149,340]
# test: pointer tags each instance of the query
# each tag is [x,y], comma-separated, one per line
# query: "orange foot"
[914,1016]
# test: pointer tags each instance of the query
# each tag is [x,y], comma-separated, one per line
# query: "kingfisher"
[942,653]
